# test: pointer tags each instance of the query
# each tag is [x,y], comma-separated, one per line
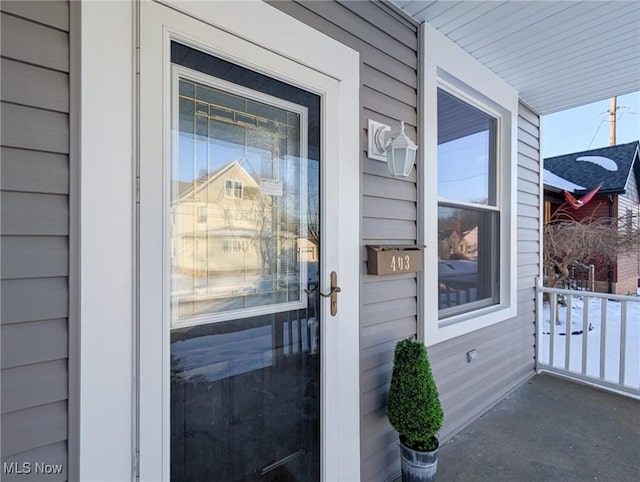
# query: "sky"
[587,127]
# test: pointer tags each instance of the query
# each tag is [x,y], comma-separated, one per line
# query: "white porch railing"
[594,337]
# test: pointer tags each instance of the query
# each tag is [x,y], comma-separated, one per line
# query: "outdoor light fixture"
[397,149]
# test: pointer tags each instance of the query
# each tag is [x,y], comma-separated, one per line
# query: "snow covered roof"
[550,179]
[580,171]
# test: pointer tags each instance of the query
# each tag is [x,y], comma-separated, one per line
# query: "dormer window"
[233,189]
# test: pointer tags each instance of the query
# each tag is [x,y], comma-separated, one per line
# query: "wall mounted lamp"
[396,148]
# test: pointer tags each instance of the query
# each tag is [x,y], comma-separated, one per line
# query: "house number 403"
[400,263]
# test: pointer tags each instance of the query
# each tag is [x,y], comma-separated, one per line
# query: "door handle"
[333,293]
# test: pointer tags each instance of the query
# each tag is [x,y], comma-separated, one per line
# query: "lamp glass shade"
[401,153]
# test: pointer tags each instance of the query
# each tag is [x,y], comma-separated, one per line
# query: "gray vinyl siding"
[388,305]
[632,189]
[35,234]
[387,44]
[505,350]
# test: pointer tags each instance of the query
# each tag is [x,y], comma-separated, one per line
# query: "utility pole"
[612,121]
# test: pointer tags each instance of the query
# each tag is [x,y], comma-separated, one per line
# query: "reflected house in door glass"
[239,202]
[218,222]
[307,250]
[225,244]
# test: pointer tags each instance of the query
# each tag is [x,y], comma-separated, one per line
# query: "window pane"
[239,205]
[468,262]
[466,152]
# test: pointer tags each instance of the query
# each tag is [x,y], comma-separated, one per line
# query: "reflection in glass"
[245,399]
[466,152]
[238,207]
[244,244]
[467,259]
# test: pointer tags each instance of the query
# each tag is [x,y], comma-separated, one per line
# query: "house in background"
[105,376]
[221,215]
[458,244]
[617,170]
[231,241]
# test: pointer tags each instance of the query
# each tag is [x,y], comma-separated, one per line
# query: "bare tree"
[313,219]
[585,241]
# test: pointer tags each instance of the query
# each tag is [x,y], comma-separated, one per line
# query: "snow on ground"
[612,342]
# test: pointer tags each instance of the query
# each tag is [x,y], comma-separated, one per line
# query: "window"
[233,189]
[234,245]
[467,207]
[237,143]
[468,193]
[202,214]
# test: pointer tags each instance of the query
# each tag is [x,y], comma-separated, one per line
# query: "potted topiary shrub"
[414,411]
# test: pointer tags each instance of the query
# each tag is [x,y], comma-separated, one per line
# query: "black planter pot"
[418,466]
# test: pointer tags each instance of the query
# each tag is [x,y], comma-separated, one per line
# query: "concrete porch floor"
[550,430]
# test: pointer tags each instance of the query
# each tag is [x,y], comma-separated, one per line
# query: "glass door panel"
[244,246]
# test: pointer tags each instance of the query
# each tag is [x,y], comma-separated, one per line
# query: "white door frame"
[243,33]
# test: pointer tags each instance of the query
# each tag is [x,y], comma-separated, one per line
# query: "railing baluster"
[623,341]
[553,303]
[539,325]
[567,330]
[603,336]
[585,333]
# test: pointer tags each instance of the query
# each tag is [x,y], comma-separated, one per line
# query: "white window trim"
[443,63]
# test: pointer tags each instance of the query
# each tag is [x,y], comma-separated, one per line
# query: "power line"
[596,133]
[608,112]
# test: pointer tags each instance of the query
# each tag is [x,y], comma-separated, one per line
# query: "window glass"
[239,204]
[466,152]
[245,346]
[467,259]
[468,218]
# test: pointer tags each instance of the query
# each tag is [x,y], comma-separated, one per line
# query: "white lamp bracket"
[377,140]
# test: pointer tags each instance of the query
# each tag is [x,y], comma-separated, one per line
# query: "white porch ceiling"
[557,54]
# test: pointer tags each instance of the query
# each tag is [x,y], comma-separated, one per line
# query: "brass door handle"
[336,289]
[333,293]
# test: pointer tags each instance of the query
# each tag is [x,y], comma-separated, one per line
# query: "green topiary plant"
[414,409]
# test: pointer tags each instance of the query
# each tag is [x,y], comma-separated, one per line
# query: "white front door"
[249,170]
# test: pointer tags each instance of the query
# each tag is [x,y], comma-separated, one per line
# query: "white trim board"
[106,241]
